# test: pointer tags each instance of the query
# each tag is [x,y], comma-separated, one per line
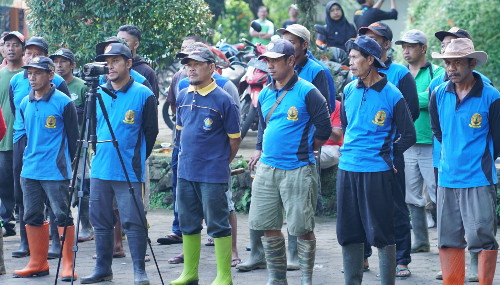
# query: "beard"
[195,82]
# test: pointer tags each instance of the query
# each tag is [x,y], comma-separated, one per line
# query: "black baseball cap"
[39,42]
[99,48]
[198,53]
[63,52]
[454,32]
[41,62]
[378,28]
[15,34]
[278,48]
[115,49]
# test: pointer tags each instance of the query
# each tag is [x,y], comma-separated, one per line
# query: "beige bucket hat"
[462,48]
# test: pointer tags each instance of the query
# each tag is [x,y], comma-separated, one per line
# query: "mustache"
[453,74]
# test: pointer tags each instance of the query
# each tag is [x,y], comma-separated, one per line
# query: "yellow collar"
[205,90]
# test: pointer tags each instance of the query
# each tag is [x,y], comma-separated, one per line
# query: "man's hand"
[254,159]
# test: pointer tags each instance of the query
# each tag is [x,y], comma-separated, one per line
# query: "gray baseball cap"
[298,30]
[413,37]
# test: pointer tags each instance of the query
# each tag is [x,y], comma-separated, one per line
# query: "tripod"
[88,137]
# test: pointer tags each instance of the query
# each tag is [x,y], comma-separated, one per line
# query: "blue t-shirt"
[139,78]
[19,88]
[126,117]
[467,150]
[219,81]
[329,78]
[370,127]
[208,118]
[48,122]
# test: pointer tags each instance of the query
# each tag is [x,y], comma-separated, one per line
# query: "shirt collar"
[378,86]
[45,97]
[289,85]
[302,64]
[387,63]
[124,87]
[205,90]
[476,91]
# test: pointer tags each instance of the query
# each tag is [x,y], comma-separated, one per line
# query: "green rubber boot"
[2,265]
[471,275]
[307,253]
[223,247]
[275,250]
[191,245]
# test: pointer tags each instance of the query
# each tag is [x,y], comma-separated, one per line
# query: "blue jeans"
[6,187]
[101,211]
[176,229]
[197,201]
[34,194]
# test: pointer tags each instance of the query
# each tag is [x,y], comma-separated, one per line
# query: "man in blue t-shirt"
[370,12]
[134,119]
[372,112]
[465,118]
[51,125]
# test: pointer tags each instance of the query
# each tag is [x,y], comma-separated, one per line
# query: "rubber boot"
[191,244]
[23,249]
[387,264]
[420,231]
[471,275]
[67,253]
[38,239]
[223,249]
[137,245]
[2,264]
[257,259]
[487,263]
[352,257]
[452,265]
[274,248]
[292,261]
[55,246]
[307,254]
[104,258]
[86,231]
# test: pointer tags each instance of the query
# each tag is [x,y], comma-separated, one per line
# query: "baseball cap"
[454,32]
[368,46]
[39,42]
[378,28]
[413,37]
[41,62]
[198,52]
[16,35]
[278,48]
[99,48]
[298,30]
[63,52]
[115,49]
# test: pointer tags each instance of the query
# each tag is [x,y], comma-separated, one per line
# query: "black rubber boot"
[104,250]
[55,245]
[420,231]
[24,249]
[137,245]
[86,232]
[352,256]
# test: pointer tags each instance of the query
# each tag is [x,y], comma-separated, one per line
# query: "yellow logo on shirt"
[50,122]
[379,118]
[475,121]
[293,114]
[129,117]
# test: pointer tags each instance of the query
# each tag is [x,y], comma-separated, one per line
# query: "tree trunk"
[254,6]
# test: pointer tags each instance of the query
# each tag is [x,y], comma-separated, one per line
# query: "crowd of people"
[410,140]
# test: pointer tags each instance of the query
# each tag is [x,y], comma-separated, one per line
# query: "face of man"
[358,64]
[64,66]
[118,67]
[459,69]
[13,49]
[39,79]
[379,39]
[31,52]
[186,44]
[413,53]
[280,68]
[132,41]
[262,13]
[446,41]
[199,72]
[335,13]
[293,12]
[295,41]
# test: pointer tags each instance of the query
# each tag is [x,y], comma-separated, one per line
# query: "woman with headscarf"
[337,30]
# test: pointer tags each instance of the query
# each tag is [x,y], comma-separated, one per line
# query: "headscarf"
[338,32]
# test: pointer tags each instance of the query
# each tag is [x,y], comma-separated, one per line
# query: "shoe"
[292,261]
[257,259]
[9,230]
[223,250]
[67,254]
[399,270]
[170,239]
[176,259]
[307,254]
[274,248]
[210,242]
[104,249]
[38,239]
[487,263]
[235,261]
[192,247]
[452,265]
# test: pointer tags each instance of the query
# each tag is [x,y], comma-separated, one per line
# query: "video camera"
[95,69]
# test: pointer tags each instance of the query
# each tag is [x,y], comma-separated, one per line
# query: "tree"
[254,6]
[81,24]
[217,7]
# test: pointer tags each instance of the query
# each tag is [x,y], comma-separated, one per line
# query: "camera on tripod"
[95,69]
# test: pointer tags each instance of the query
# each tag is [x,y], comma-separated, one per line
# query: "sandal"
[404,275]
[176,259]
[147,258]
[115,255]
[235,262]
[210,242]
[170,239]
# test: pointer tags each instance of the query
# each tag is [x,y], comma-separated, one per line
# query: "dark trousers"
[7,200]
[17,160]
[402,225]
[176,228]
[365,208]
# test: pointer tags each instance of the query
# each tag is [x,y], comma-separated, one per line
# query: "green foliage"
[479,17]
[81,24]
[157,201]
[278,11]
[234,21]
